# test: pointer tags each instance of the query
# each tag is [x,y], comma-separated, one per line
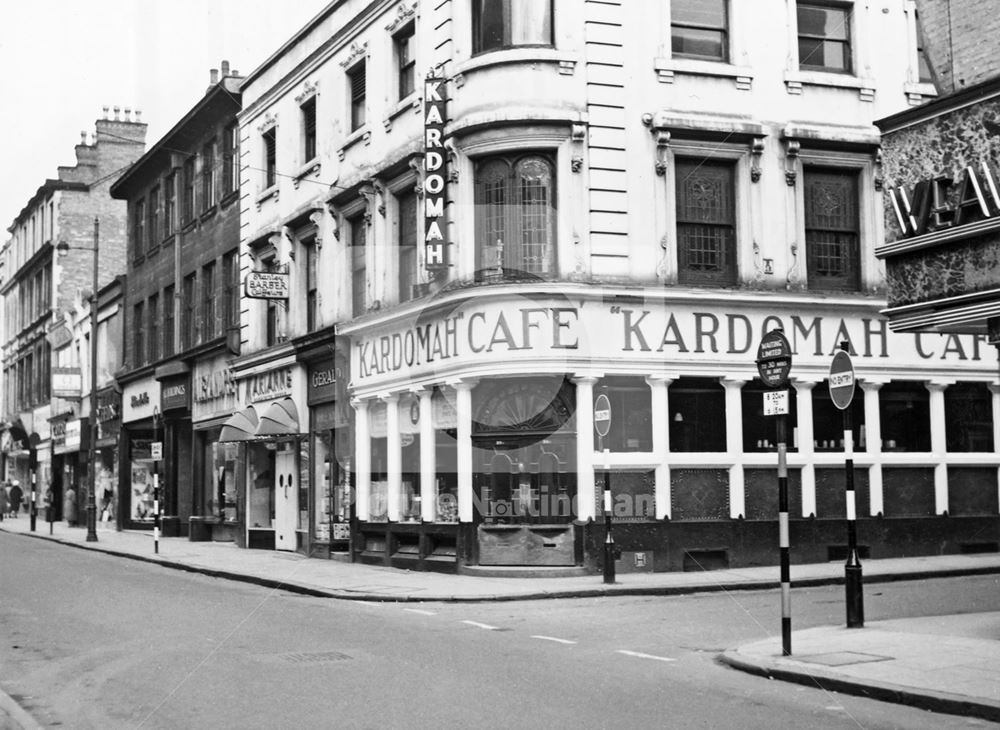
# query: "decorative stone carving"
[309,89]
[756,150]
[354,54]
[792,148]
[404,14]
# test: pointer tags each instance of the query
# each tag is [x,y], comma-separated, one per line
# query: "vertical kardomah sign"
[435,175]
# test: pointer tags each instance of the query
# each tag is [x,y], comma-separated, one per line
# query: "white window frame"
[859,79]
[737,68]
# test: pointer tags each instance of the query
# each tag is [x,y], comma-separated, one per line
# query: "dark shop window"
[760,432]
[968,417]
[631,416]
[697,415]
[828,420]
[905,416]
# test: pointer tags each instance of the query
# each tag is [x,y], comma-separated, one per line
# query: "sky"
[62,61]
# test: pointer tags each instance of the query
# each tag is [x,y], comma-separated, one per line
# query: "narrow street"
[93,641]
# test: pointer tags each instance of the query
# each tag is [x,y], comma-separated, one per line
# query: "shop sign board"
[174,394]
[67,382]
[842,380]
[73,434]
[931,206]
[213,389]
[266,285]
[435,174]
[324,379]
[269,385]
[774,359]
[602,415]
[140,399]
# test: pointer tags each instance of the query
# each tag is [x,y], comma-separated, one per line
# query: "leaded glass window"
[832,235]
[515,215]
[706,222]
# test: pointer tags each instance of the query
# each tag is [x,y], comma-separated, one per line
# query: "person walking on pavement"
[3,501]
[15,499]
[69,506]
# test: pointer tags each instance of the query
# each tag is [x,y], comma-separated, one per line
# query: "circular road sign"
[842,380]
[774,359]
[602,415]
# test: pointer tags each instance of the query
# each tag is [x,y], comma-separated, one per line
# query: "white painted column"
[463,412]
[428,457]
[804,434]
[873,446]
[659,388]
[393,457]
[362,459]
[734,445]
[939,444]
[586,508]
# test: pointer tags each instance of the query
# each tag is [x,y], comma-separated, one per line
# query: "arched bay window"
[515,215]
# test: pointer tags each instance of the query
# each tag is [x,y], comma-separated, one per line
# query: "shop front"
[177,468]
[218,465]
[106,454]
[330,454]
[276,474]
[71,477]
[141,426]
[691,456]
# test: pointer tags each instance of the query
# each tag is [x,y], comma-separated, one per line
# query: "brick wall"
[960,38]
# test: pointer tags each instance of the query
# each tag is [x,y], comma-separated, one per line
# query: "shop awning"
[241,426]
[280,419]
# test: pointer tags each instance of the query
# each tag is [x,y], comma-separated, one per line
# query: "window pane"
[699,12]
[904,415]
[699,43]
[531,22]
[706,235]
[968,413]
[823,21]
[832,229]
[824,38]
[697,415]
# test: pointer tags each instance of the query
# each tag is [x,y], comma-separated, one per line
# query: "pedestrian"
[15,499]
[47,503]
[69,506]
[3,501]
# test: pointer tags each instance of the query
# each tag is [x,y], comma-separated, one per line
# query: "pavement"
[944,663]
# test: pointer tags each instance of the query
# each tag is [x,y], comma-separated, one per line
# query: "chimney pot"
[83,137]
[213,76]
[138,114]
[225,69]
[117,110]
[106,113]
[128,114]
[234,73]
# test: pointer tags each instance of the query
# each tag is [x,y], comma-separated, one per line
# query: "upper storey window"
[824,37]
[270,158]
[699,29]
[706,222]
[832,229]
[515,215]
[500,24]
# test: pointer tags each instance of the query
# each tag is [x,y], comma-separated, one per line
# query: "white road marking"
[553,638]
[482,626]
[640,655]
[421,611]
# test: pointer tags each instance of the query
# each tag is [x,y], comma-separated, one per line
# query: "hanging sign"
[266,285]
[435,175]
[776,403]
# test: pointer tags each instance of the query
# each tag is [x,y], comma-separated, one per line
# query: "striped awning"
[241,426]
[280,419]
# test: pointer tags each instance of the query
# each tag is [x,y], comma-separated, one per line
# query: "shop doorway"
[524,481]
[285,499]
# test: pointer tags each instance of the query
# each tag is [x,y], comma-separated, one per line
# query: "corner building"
[626,198]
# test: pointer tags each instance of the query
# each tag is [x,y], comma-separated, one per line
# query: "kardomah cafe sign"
[555,330]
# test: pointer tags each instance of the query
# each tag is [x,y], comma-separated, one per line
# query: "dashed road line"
[641,655]
[421,611]
[553,638]
[482,626]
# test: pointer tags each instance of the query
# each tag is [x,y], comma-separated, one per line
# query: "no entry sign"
[842,380]
[602,415]
[774,359]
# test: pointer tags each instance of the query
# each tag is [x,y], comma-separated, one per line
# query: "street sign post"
[774,363]
[602,425]
[842,382]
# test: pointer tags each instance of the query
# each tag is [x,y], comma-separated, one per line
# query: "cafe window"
[828,420]
[968,417]
[832,229]
[706,222]
[697,415]
[631,426]
[760,431]
[904,415]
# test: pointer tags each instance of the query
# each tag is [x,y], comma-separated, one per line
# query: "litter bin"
[170,526]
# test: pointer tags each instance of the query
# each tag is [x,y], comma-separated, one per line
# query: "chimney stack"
[213,76]
[225,69]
